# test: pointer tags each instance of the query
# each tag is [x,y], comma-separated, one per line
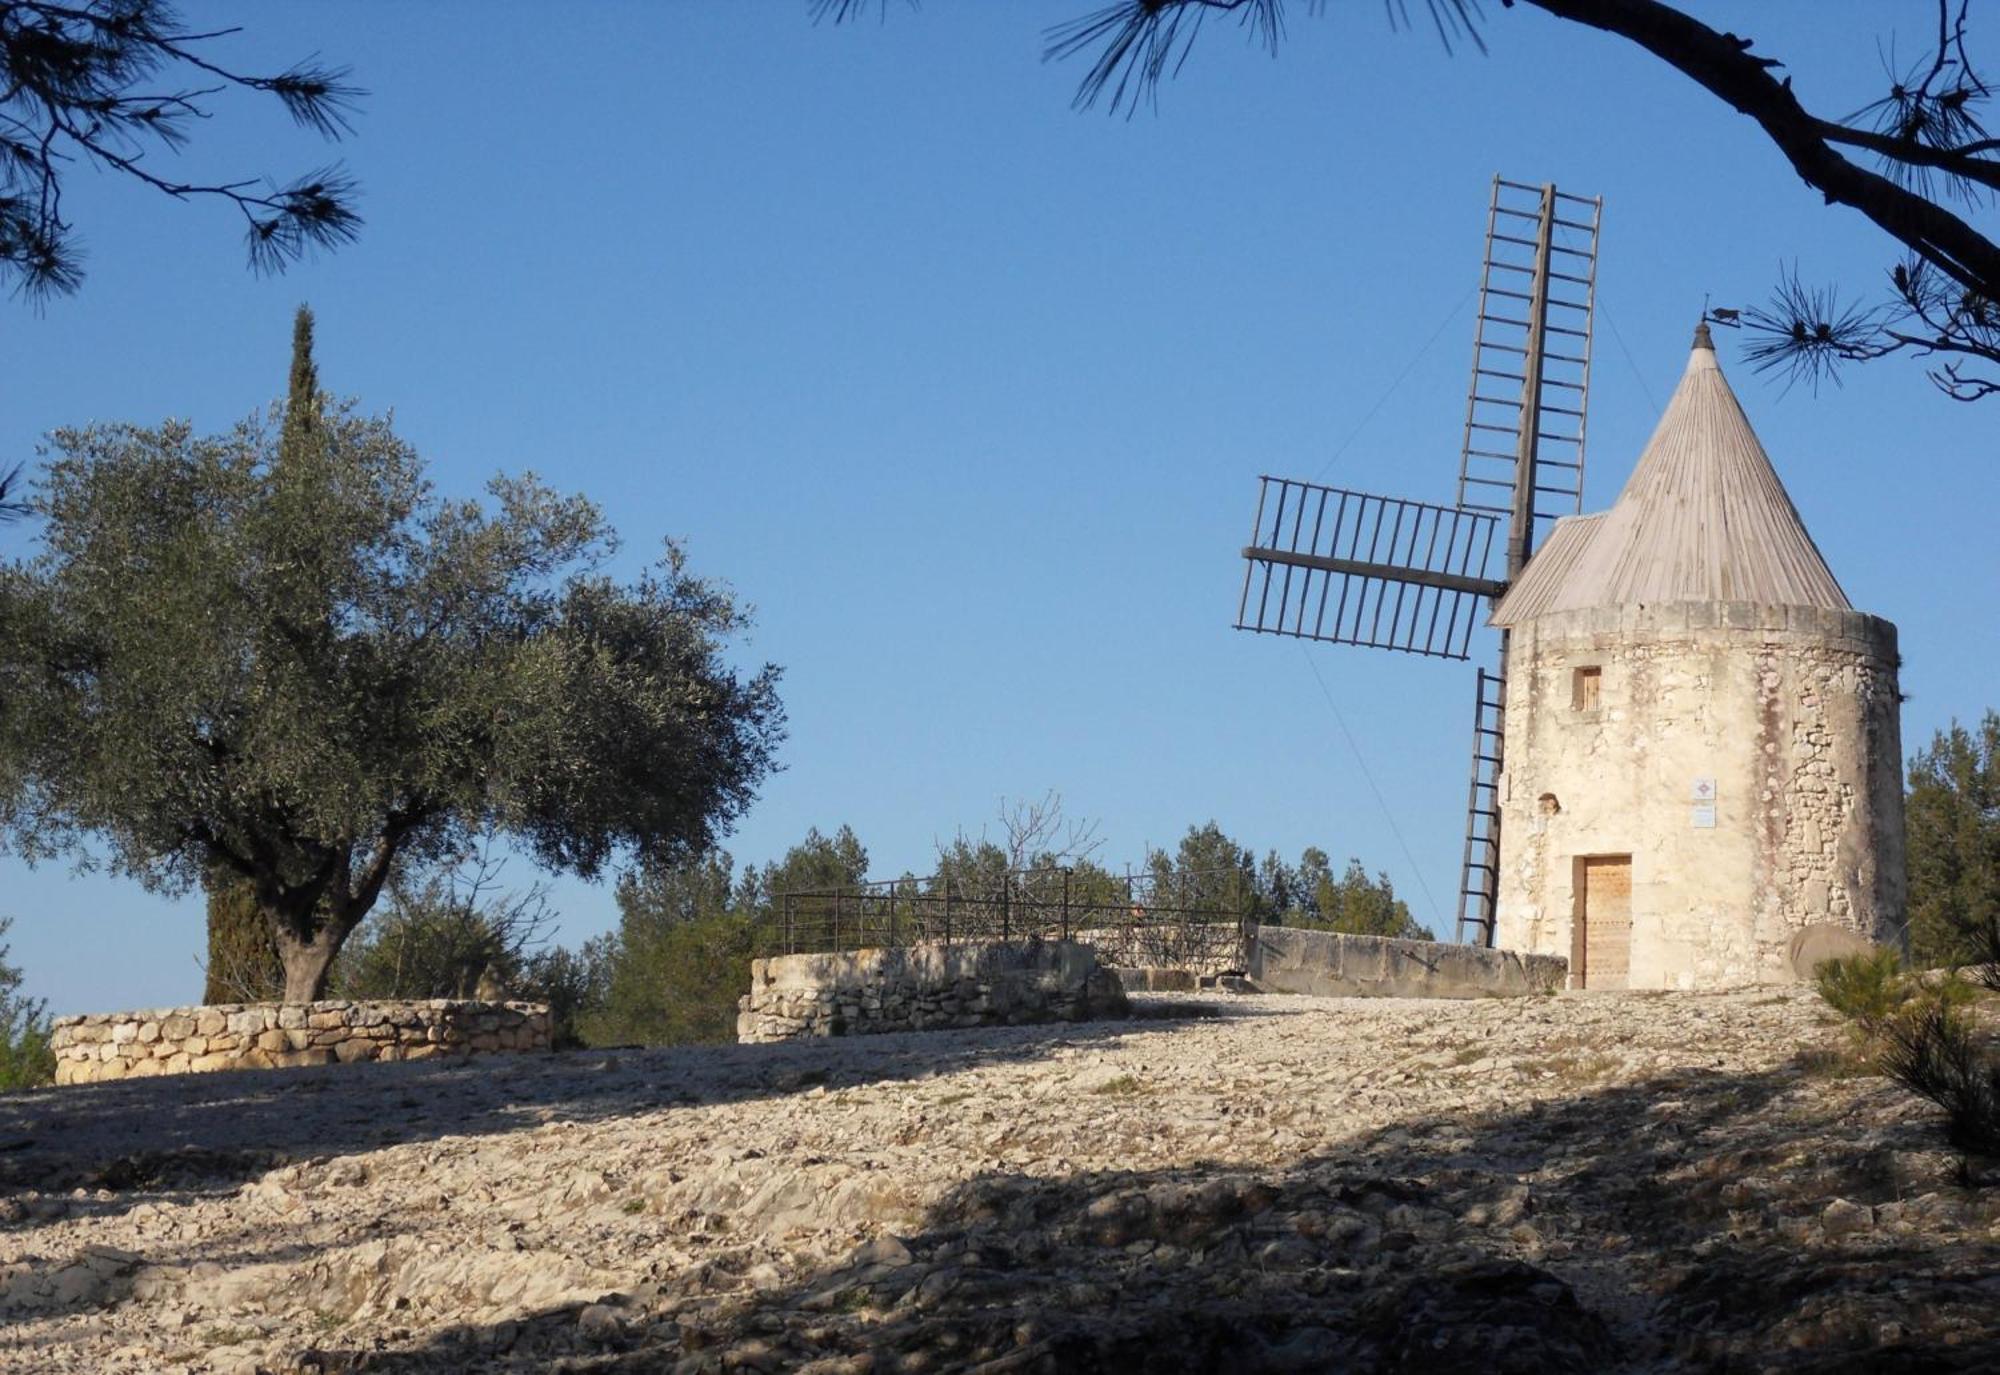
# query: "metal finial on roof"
[1701,336]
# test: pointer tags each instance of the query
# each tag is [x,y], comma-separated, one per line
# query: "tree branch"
[1723,66]
[1957,161]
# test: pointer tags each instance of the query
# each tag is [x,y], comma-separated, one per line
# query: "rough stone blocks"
[182,1040]
[912,988]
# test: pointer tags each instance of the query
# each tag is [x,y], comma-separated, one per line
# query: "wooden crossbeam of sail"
[1347,567]
[1451,582]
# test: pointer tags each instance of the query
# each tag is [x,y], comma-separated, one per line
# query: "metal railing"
[1159,912]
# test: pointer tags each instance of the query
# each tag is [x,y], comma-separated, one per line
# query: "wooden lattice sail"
[1353,568]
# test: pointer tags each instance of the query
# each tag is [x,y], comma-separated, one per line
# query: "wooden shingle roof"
[1703,519]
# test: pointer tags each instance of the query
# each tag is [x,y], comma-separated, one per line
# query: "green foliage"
[26,1058]
[1208,871]
[449,933]
[680,959]
[681,955]
[285,655]
[243,964]
[815,862]
[1309,895]
[971,866]
[1870,990]
[456,933]
[677,986]
[574,984]
[1360,906]
[1931,1049]
[1919,1033]
[1952,819]
[673,970]
[1093,889]
[105,83]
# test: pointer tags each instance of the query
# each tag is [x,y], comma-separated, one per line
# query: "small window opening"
[1583,688]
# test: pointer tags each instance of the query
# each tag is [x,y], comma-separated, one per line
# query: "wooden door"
[1601,952]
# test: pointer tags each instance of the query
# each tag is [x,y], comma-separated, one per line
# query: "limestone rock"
[1300,1185]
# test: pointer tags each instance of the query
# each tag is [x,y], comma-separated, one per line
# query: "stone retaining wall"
[925,987]
[185,1040]
[1285,959]
[1199,948]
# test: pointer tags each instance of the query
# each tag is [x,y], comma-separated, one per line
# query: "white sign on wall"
[1702,816]
[1702,791]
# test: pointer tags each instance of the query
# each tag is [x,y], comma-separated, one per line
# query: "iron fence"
[1159,918]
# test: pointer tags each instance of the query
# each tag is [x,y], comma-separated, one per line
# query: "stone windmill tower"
[1703,763]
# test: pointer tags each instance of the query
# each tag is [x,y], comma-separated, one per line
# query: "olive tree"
[279,653]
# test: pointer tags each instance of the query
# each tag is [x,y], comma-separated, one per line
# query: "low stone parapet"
[925,987]
[1285,959]
[1197,947]
[193,1040]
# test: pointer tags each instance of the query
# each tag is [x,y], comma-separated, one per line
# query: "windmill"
[1353,568]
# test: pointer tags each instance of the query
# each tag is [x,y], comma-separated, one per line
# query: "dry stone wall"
[925,987]
[192,1040]
[1196,947]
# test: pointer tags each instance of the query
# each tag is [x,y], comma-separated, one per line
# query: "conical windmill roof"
[1703,519]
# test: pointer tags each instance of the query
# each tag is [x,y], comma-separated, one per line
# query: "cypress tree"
[243,963]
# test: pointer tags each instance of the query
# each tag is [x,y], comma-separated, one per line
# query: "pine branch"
[71,88]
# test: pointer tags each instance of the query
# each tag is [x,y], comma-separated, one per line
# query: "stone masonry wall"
[925,987]
[1199,948]
[1791,713]
[185,1040]
[1284,959]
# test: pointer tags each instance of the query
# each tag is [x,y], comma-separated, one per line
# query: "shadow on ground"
[1683,1223]
[126,1141]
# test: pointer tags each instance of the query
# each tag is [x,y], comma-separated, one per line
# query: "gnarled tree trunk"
[307,961]
[309,958]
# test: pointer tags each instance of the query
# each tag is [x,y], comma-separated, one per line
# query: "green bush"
[1920,1034]
[573,983]
[674,983]
[1868,990]
[1931,1049]
[243,964]
[25,1056]
[1873,991]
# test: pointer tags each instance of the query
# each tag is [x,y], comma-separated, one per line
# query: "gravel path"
[1575,1183]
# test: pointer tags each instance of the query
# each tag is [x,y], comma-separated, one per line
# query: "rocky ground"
[1573,1183]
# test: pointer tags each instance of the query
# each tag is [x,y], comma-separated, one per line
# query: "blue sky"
[967,393]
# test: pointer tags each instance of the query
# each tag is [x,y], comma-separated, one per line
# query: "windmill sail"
[1523,452]
[1350,568]
[1524,412]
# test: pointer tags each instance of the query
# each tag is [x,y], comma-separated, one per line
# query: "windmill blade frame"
[1392,573]
[1532,343]
[1353,568]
